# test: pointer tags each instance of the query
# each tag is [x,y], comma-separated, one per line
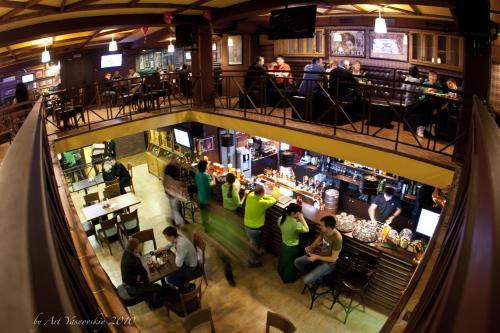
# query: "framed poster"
[207,144]
[235,50]
[10,92]
[347,43]
[389,46]
[39,74]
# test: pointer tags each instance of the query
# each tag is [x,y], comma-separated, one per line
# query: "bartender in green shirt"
[292,224]
[230,194]
[204,184]
[255,214]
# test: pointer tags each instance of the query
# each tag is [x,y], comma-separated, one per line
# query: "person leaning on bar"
[230,196]
[204,185]
[255,214]
[292,224]
[330,240]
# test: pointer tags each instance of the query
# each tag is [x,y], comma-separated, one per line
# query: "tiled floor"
[235,309]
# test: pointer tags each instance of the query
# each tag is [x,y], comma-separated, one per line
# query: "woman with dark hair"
[292,224]
[21,93]
[230,194]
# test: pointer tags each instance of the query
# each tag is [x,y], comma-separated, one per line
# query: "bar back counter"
[393,267]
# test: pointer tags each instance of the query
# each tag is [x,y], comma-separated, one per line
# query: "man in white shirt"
[132,73]
[186,257]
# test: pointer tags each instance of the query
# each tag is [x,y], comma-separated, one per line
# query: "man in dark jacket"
[135,277]
[346,82]
[114,169]
[256,72]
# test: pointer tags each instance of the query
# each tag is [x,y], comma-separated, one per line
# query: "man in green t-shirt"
[329,242]
[204,185]
[255,215]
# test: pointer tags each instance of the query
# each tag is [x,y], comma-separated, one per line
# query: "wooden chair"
[128,299]
[145,236]
[184,304]
[131,185]
[197,318]
[112,191]
[279,322]
[130,222]
[109,233]
[200,245]
[89,226]
[91,198]
[112,182]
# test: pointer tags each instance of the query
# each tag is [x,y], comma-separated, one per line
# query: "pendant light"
[113,46]
[230,41]
[337,37]
[170,48]
[380,26]
[45,55]
[214,46]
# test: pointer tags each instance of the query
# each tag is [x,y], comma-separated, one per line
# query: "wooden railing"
[52,272]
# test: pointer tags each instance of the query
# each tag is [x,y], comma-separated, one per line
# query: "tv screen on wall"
[28,78]
[111,60]
[291,23]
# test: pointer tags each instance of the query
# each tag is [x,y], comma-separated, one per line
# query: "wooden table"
[86,183]
[165,270]
[116,204]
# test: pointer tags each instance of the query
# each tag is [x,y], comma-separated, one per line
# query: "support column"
[201,60]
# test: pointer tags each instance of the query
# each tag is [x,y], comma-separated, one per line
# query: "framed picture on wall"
[10,92]
[207,144]
[347,43]
[235,50]
[389,46]
[39,74]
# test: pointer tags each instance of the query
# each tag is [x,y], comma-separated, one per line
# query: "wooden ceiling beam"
[401,10]
[63,5]
[16,11]
[89,39]
[22,5]
[152,38]
[12,54]
[79,4]
[415,9]
[361,9]
[194,5]
[132,3]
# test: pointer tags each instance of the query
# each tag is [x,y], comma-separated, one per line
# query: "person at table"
[114,169]
[360,76]
[117,76]
[135,276]
[292,224]
[204,185]
[312,79]
[132,73]
[342,80]
[448,106]
[257,204]
[106,88]
[411,87]
[172,185]
[430,105]
[72,160]
[329,243]
[21,94]
[283,78]
[186,257]
[230,194]
[255,75]
[385,207]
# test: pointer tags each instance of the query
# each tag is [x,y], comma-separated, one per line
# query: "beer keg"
[331,199]
[369,184]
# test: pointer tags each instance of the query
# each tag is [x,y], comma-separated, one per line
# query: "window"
[437,50]
[302,47]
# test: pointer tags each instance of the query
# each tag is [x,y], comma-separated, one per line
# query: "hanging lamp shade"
[380,26]
[113,46]
[170,48]
[45,56]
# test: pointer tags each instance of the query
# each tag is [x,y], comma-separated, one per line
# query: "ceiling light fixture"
[230,42]
[214,46]
[170,48]
[380,26]
[337,37]
[45,55]
[113,45]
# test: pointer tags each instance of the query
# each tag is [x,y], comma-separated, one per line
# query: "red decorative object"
[207,15]
[168,18]
[144,30]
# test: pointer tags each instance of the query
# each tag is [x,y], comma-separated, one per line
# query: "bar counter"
[394,268]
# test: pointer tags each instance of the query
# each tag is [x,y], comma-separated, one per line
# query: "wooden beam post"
[201,62]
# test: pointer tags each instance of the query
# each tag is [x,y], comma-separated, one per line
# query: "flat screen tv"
[182,137]
[28,78]
[427,222]
[291,23]
[111,60]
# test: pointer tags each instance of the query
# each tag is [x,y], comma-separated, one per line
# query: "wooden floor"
[240,309]
[357,133]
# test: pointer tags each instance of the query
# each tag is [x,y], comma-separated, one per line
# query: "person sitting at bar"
[430,104]
[186,257]
[204,185]
[135,277]
[255,214]
[117,76]
[342,82]
[312,79]
[255,75]
[132,73]
[385,207]
[230,194]
[411,86]
[292,224]
[114,169]
[284,78]
[330,242]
